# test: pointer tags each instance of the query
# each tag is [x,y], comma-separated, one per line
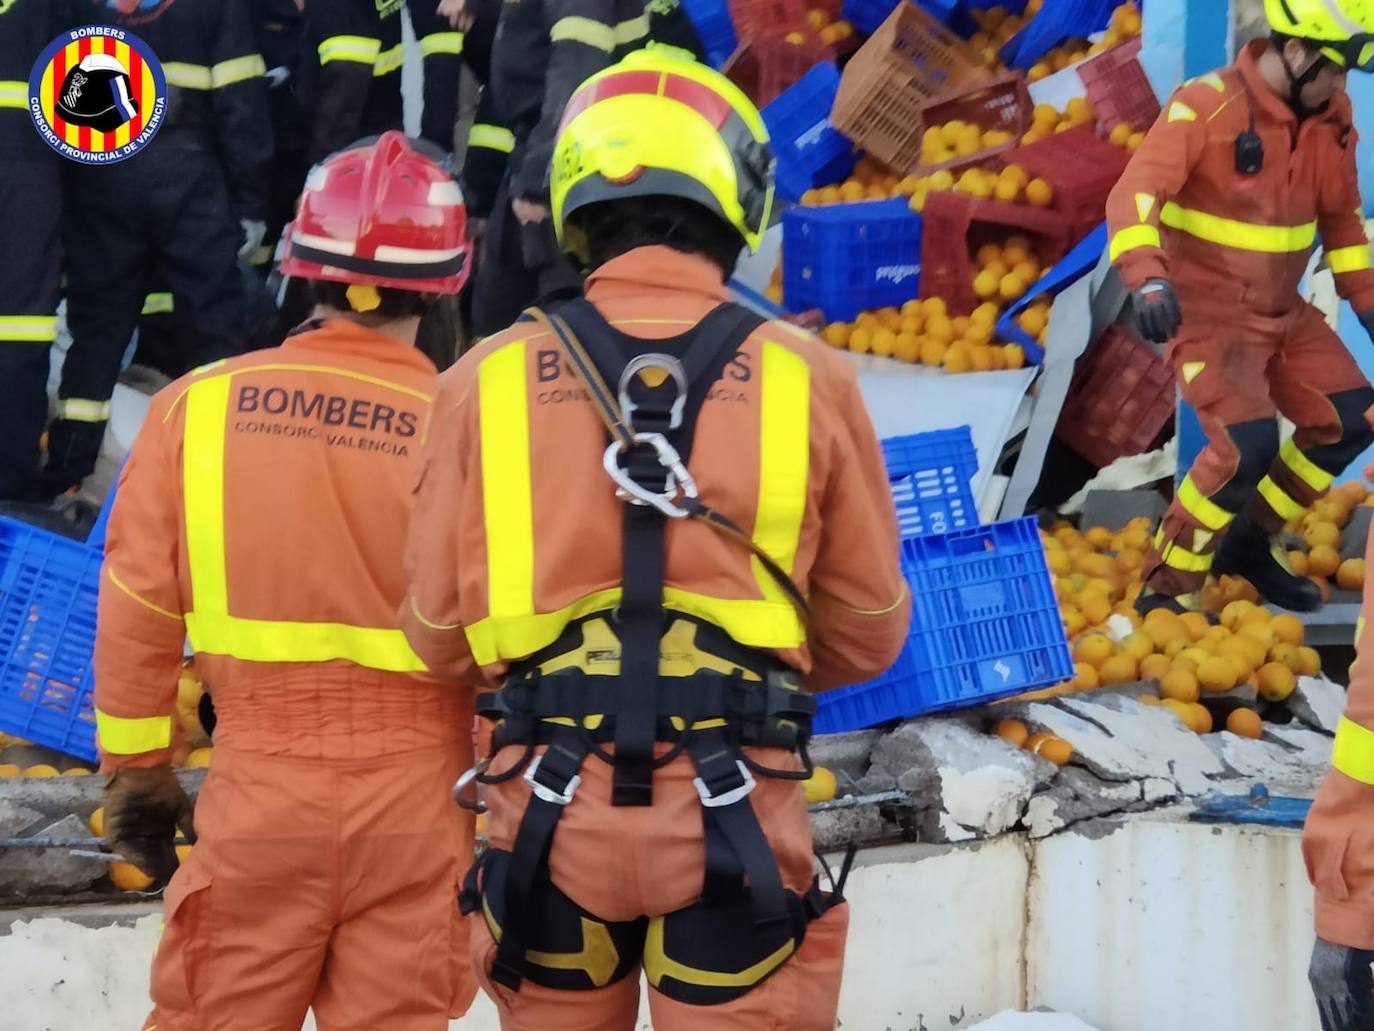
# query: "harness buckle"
[668,364]
[548,794]
[680,482]
[730,797]
[461,785]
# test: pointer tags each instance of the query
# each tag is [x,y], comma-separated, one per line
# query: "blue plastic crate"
[848,258]
[1057,21]
[931,475]
[1070,268]
[48,588]
[984,624]
[810,151]
[715,28]
[867,15]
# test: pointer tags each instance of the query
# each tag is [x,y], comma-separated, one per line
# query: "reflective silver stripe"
[80,409]
[25,328]
[493,137]
[237,69]
[389,61]
[157,304]
[350,48]
[14,94]
[187,76]
[441,43]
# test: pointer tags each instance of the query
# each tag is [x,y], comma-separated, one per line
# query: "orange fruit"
[988,253]
[200,758]
[1311,662]
[1012,286]
[940,327]
[1133,144]
[1298,560]
[1085,677]
[1094,649]
[1119,669]
[884,343]
[933,354]
[1054,749]
[1196,623]
[10,770]
[1074,621]
[1007,191]
[96,822]
[1288,654]
[1155,667]
[1319,533]
[1039,193]
[1288,629]
[76,771]
[1199,719]
[1015,356]
[820,786]
[41,770]
[1013,732]
[1096,608]
[1217,675]
[1276,682]
[1180,684]
[861,341]
[1245,723]
[1033,742]
[958,358]
[836,334]
[985,284]
[1121,132]
[1098,536]
[1350,575]
[1237,588]
[1181,710]
[981,357]
[1148,699]
[1262,633]
[1234,614]
[1138,646]
[908,348]
[1323,560]
[127,877]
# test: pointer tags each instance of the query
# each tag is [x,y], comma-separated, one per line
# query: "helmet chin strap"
[1297,83]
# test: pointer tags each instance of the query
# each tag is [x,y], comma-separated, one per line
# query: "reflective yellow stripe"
[1133,237]
[784,462]
[628,32]
[389,61]
[209,626]
[1354,751]
[1204,510]
[1246,236]
[1192,370]
[350,48]
[1349,259]
[658,964]
[1189,561]
[1214,80]
[503,410]
[493,137]
[120,736]
[38,328]
[157,304]
[114,579]
[187,76]
[81,409]
[14,94]
[237,69]
[1180,112]
[1144,204]
[1279,501]
[441,43]
[587,31]
[1307,470]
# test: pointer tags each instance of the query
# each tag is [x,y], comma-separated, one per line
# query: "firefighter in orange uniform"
[260,515]
[656,613]
[1212,227]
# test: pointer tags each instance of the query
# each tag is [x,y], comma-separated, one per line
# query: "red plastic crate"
[766,66]
[1121,401]
[956,225]
[1003,103]
[1119,89]
[1082,167]
[888,84]
[757,19]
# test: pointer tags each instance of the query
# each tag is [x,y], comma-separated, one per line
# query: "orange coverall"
[262,513]
[1235,248]
[1338,838]
[620,863]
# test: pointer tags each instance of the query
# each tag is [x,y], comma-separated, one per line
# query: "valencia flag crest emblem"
[97,94]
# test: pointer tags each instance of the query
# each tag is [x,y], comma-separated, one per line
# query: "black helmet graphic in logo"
[97,94]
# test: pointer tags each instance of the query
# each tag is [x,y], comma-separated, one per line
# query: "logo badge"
[97,94]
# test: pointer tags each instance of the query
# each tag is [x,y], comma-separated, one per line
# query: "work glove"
[253,232]
[144,808]
[1157,311]
[1344,986]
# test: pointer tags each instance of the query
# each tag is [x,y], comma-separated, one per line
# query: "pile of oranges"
[829,32]
[1125,25]
[1046,119]
[959,139]
[996,26]
[1321,530]
[922,332]
[1012,185]
[1005,272]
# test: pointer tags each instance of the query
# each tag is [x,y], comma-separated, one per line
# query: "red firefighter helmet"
[384,213]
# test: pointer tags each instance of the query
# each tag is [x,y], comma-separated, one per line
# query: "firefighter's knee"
[1257,445]
[1353,408]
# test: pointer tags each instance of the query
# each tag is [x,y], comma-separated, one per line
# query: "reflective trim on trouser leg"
[1330,460]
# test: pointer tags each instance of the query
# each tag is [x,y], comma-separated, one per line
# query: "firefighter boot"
[1248,551]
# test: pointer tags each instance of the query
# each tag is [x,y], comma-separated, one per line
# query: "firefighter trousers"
[30,207]
[1240,370]
[323,884]
[160,219]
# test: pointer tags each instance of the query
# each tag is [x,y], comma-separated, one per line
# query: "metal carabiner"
[668,364]
[461,786]
[680,482]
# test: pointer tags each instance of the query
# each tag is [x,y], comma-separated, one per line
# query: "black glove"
[1157,311]
[1344,986]
[1367,320]
[144,808]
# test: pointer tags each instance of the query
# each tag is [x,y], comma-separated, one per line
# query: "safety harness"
[747,700]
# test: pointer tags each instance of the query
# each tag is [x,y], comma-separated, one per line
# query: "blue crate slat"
[1070,268]
[867,15]
[715,28]
[848,258]
[810,151]
[985,624]
[1057,21]
[931,476]
[48,590]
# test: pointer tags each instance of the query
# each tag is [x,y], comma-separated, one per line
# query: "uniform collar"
[1268,104]
[343,336]
[656,269]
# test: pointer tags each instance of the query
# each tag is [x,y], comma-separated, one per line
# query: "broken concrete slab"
[34,871]
[845,755]
[833,830]
[1269,762]
[17,820]
[1318,703]
[1156,790]
[1077,795]
[1314,743]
